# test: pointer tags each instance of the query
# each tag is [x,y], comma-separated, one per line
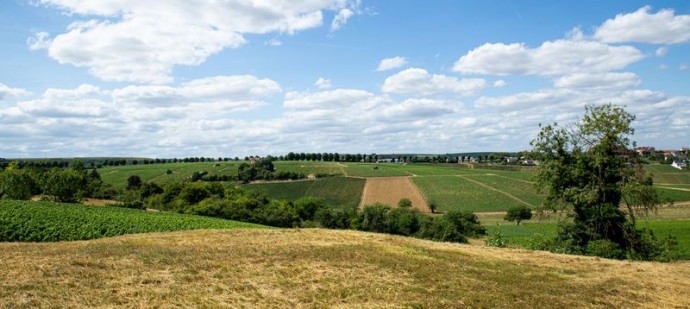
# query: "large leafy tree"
[589,169]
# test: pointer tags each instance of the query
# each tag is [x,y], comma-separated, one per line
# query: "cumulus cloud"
[598,80]
[391,63]
[552,58]
[141,41]
[417,81]
[7,92]
[643,26]
[323,83]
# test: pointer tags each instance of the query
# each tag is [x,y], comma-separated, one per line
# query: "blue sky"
[182,78]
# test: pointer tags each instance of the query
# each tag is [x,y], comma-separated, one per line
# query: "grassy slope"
[321,268]
[47,221]
[337,191]
[667,174]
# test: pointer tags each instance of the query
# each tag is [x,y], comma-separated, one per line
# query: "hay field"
[389,190]
[316,268]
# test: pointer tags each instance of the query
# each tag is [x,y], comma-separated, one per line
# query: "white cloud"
[552,58]
[391,63]
[86,101]
[239,92]
[273,42]
[598,80]
[323,83]
[341,18]
[684,67]
[661,51]
[500,83]
[417,81]
[7,92]
[40,41]
[417,108]
[663,27]
[141,41]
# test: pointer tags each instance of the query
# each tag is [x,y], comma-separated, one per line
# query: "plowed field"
[389,190]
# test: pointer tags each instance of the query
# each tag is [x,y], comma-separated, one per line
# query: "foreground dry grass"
[317,268]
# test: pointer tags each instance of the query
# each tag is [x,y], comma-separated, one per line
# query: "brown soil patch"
[389,190]
[98,202]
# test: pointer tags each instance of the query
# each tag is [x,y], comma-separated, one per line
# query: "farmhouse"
[679,164]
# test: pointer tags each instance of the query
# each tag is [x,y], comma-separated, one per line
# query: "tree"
[518,214]
[133,182]
[590,169]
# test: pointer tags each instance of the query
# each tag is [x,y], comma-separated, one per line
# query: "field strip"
[516,179]
[497,190]
[342,168]
[389,191]
[674,188]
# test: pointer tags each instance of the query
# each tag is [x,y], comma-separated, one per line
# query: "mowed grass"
[457,193]
[336,191]
[322,268]
[48,221]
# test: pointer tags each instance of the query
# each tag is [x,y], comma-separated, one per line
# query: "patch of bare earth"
[305,268]
[389,190]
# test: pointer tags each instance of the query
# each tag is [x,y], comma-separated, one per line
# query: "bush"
[605,248]
[518,214]
[496,240]
[373,218]
[404,202]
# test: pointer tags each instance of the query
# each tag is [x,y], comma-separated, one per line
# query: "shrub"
[518,214]
[496,240]
[605,248]
[404,202]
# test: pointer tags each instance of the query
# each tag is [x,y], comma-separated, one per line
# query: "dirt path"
[389,190]
[494,189]
[673,188]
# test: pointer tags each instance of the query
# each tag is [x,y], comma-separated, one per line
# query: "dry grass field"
[389,190]
[318,268]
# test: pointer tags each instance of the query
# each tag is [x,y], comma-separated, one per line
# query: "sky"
[226,78]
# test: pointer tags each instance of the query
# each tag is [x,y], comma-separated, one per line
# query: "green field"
[309,167]
[666,174]
[372,169]
[456,193]
[117,175]
[337,191]
[47,221]
[672,194]
[518,188]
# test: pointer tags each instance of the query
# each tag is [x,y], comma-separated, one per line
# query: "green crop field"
[47,221]
[372,169]
[518,188]
[309,167]
[434,169]
[337,191]
[672,194]
[117,175]
[456,193]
